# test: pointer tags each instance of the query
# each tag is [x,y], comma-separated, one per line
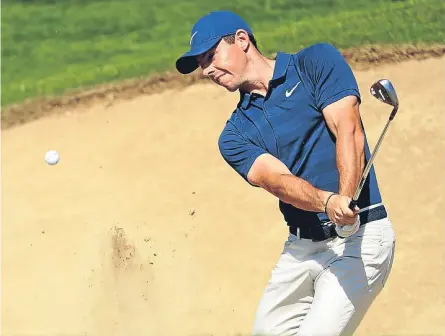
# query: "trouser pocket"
[388,265]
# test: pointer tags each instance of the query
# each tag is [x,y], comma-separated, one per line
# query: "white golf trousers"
[325,288]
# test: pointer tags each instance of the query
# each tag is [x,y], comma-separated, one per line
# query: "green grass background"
[50,46]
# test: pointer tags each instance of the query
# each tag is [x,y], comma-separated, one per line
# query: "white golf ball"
[52,157]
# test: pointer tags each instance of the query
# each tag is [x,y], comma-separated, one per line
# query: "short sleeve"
[238,152]
[331,75]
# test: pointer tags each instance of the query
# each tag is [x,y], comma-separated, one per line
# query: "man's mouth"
[217,79]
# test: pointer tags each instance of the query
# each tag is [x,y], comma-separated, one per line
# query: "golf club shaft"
[369,164]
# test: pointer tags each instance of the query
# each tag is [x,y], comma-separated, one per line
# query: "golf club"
[384,91]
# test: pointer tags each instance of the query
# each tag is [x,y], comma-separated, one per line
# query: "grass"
[49,47]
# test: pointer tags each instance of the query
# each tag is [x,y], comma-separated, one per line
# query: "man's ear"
[242,39]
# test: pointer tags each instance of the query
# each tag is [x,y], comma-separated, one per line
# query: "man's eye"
[210,57]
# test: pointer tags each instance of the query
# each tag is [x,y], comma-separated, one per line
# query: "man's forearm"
[350,160]
[298,192]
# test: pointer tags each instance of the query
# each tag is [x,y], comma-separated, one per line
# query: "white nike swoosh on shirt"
[288,93]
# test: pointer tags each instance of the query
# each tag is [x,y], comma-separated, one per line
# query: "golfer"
[296,132]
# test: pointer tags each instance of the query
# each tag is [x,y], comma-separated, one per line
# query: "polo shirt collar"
[244,99]
[281,64]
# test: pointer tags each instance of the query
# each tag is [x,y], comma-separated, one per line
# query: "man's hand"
[338,210]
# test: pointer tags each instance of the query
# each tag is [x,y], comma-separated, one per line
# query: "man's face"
[225,64]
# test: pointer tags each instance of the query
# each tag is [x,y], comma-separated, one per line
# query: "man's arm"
[261,169]
[343,119]
[272,175]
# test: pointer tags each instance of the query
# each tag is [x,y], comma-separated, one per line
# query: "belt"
[323,231]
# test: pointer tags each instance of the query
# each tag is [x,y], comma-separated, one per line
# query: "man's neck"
[260,72]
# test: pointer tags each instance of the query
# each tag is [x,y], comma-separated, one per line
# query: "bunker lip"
[362,58]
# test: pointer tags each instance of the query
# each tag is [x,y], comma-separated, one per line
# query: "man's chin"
[230,88]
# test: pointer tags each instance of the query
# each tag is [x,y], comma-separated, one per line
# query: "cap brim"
[187,63]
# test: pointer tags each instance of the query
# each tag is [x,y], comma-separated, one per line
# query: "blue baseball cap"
[206,33]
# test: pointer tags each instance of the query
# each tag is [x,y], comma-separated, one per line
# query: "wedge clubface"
[385,92]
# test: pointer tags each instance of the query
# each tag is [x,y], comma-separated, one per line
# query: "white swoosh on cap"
[191,38]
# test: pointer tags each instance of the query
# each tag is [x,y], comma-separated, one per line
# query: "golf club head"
[385,92]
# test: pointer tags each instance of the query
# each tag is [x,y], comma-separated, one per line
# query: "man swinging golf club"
[297,133]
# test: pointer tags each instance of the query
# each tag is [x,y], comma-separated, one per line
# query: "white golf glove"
[347,230]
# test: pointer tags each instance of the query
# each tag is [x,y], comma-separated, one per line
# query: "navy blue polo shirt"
[288,123]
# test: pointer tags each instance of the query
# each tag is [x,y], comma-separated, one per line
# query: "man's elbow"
[253,178]
[274,184]
[262,180]
[258,179]
[269,173]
